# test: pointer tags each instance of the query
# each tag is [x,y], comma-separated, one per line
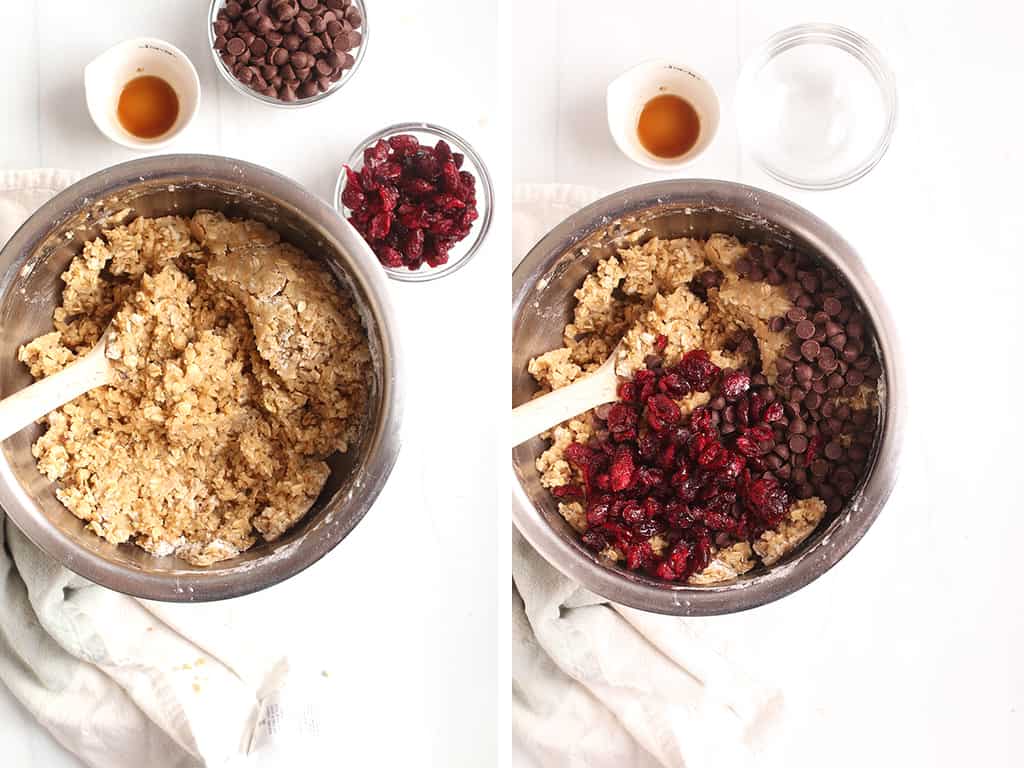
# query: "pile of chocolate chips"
[821,446]
[288,49]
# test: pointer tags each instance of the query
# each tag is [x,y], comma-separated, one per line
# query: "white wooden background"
[908,651]
[403,612]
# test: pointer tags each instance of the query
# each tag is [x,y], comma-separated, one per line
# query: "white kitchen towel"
[124,683]
[599,685]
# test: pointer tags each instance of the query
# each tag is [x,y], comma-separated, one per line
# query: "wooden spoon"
[35,401]
[548,410]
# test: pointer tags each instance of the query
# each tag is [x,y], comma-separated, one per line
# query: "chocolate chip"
[810,349]
[834,451]
[819,468]
[854,378]
[717,404]
[828,364]
[796,314]
[797,427]
[236,46]
[812,401]
[832,306]
[793,353]
[804,329]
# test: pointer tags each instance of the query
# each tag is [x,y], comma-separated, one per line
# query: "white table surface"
[410,624]
[904,648]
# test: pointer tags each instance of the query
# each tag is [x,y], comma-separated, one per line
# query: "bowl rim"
[481,226]
[383,442]
[215,6]
[807,564]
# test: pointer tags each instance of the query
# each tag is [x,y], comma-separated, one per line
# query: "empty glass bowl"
[816,106]
[464,250]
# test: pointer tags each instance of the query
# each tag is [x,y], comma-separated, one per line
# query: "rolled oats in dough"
[241,366]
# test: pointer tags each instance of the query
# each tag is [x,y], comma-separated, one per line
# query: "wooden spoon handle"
[544,412]
[35,401]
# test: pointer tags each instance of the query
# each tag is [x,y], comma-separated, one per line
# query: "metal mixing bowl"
[542,302]
[30,287]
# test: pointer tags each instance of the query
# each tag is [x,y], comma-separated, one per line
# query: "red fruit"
[388,171]
[773,412]
[404,144]
[674,385]
[389,198]
[380,225]
[446,202]
[594,539]
[417,187]
[442,151]
[633,513]
[660,342]
[766,499]
[734,384]
[623,469]
[662,412]
[622,422]
[679,558]
[638,555]
[700,419]
[664,571]
[597,513]
[698,370]
[413,248]
[568,491]
[746,446]
[389,257]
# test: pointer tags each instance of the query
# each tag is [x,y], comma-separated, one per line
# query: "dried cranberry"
[774,412]
[623,469]
[633,513]
[568,491]
[766,499]
[622,422]
[734,384]
[638,555]
[698,370]
[594,539]
[404,144]
[662,412]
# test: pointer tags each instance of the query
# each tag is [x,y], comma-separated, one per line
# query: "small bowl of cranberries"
[420,196]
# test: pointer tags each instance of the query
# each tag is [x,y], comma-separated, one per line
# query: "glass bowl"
[816,106]
[464,250]
[245,90]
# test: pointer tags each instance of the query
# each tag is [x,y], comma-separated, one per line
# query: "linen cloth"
[124,683]
[600,685]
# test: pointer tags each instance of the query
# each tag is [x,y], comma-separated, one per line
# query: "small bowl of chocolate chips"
[287,53]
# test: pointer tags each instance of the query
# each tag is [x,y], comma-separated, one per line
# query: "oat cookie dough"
[748,307]
[241,366]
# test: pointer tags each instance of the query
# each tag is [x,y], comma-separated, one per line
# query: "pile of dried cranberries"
[411,202]
[687,480]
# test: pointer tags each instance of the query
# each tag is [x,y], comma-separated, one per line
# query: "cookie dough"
[654,287]
[242,365]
